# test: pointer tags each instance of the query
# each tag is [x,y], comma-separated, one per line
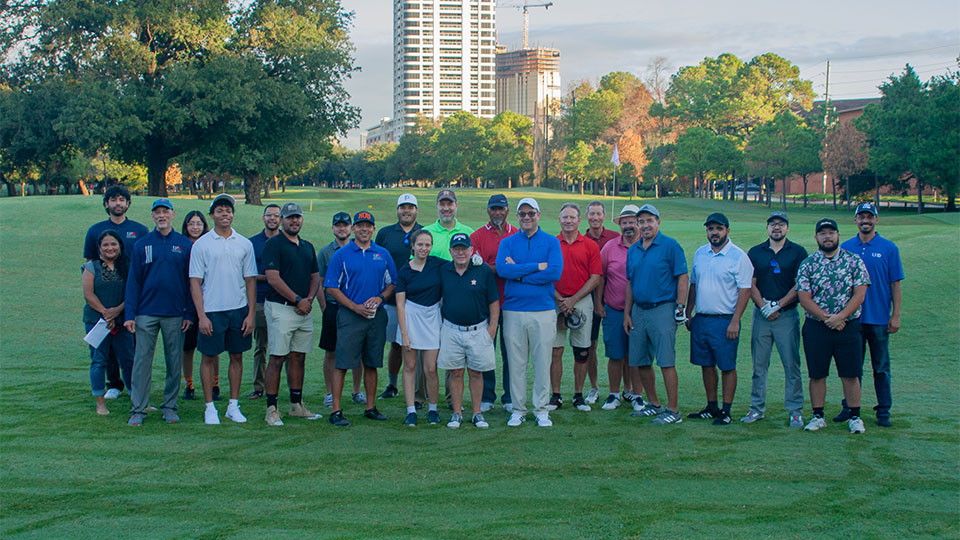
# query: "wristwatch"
[382,299]
[297,301]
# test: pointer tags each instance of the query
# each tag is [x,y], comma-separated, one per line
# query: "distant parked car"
[751,187]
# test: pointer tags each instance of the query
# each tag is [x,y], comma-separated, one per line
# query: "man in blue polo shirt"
[720,283]
[881,306]
[116,202]
[360,277]
[271,228]
[158,299]
[656,292]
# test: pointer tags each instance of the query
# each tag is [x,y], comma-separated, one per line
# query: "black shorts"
[190,338]
[821,343]
[227,333]
[595,329]
[328,327]
[360,340]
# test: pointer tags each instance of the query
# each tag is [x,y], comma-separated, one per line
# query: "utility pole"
[826,117]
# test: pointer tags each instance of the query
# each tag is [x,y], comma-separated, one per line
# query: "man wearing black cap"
[831,285]
[290,263]
[775,319]
[720,280]
[470,311]
[360,277]
[329,307]
[486,241]
[271,228]
[881,306]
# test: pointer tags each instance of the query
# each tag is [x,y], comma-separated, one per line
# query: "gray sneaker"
[359,398]
[136,419]
[796,420]
[667,417]
[649,409]
[170,416]
[751,417]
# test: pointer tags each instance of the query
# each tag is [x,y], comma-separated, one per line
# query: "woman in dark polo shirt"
[194,226]
[418,318]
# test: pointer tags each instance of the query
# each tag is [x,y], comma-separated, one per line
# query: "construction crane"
[525,7]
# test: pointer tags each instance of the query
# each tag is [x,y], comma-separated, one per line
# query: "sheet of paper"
[96,334]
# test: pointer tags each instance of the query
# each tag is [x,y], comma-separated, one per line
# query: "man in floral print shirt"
[831,285]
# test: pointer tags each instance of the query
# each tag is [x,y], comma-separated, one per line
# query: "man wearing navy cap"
[360,277]
[158,300]
[720,281]
[881,306]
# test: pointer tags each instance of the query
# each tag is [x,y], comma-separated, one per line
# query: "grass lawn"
[67,473]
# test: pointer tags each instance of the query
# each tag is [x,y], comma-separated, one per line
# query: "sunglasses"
[776,266]
[531,213]
[406,239]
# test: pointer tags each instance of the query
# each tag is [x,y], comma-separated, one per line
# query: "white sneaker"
[516,419]
[359,398]
[543,420]
[234,414]
[818,423]
[328,400]
[611,403]
[485,406]
[112,393]
[592,396]
[455,420]
[211,416]
[856,425]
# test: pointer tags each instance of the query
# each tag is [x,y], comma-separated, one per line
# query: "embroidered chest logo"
[176,249]
[377,257]
[877,255]
[131,234]
[473,282]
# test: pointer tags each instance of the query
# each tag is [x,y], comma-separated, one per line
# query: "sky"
[865,41]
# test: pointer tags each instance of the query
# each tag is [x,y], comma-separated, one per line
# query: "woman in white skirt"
[418,318]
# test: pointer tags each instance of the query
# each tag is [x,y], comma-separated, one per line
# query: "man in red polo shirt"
[486,241]
[596,215]
[573,293]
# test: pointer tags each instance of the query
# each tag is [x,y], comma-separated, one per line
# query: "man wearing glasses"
[775,319]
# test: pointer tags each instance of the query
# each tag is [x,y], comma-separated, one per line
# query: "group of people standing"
[442,293]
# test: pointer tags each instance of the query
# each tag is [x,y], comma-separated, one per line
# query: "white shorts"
[423,326]
[579,337]
[472,349]
[287,331]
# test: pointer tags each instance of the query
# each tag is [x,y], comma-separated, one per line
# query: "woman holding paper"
[104,281]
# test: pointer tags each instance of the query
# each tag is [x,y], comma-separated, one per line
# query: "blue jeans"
[122,346]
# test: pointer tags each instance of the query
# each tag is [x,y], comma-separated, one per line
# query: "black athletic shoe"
[722,419]
[389,392]
[215,392]
[337,419]
[411,420]
[189,393]
[433,417]
[418,405]
[555,403]
[374,414]
[706,414]
[843,416]
[884,421]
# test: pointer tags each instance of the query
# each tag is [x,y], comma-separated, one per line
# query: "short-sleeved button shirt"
[223,264]
[719,277]
[421,286]
[441,237]
[581,259]
[323,262]
[830,282]
[359,273]
[397,242]
[129,230]
[776,273]
[606,235]
[613,261]
[467,298]
[654,272]
[882,259]
[258,241]
[486,242]
[295,262]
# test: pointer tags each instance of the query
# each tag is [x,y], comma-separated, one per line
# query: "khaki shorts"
[579,337]
[286,331]
[472,349]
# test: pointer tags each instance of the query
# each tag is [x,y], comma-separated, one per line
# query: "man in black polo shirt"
[396,239]
[775,319]
[471,312]
[290,264]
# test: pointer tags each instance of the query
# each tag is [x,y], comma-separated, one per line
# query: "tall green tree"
[694,157]
[461,154]
[509,141]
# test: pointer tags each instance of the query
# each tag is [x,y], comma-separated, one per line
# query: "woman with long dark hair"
[194,226]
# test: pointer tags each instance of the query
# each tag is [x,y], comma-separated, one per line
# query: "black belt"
[646,305]
[716,315]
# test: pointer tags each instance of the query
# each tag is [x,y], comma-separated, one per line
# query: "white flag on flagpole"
[615,159]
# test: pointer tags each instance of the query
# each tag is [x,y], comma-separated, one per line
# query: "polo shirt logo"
[176,249]
[877,255]
[377,257]
[131,234]
[473,282]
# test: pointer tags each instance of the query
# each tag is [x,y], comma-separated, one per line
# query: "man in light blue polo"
[720,282]
[656,292]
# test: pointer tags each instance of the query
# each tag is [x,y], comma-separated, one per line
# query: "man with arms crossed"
[290,263]
[530,262]
[596,214]
[831,285]
[223,280]
[882,259]
[656,292]
[775,319]
[360,277]
[720,288]
[271,228]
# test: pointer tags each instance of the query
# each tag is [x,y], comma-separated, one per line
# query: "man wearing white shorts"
[290,264]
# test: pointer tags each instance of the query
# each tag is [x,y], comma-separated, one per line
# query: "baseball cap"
[717,218]
[161,203]
[627,210]
[446,194]
[341,217]
[363,215]
[460,239]
[827,222]
[650,209]
[291,209]
[529,201]
[407,198]
[497,200]
[222,199]
[777,214]
[866,207]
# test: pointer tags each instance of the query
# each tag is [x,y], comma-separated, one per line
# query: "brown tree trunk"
[11,191]
[951,202]
[266,188]
[157,161]
[83,187]
[252,184]
[919,197]
[804,191]
[783,196]
[833,181]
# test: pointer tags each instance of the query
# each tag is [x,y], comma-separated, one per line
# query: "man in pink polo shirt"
[596,215]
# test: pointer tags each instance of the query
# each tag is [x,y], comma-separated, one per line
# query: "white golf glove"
[476,259]
[680,315]
[769,308]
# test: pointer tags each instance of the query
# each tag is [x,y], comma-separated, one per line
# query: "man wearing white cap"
[530,262]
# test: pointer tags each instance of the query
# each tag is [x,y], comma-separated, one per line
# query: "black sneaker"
[411,420]
[843,416]
[884,421]
[706,414]
[215,392]
[374,414]
[389,392]
[433,417]
[189,393]
[555,403]
[418,405]
[722,419]
[337,419]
